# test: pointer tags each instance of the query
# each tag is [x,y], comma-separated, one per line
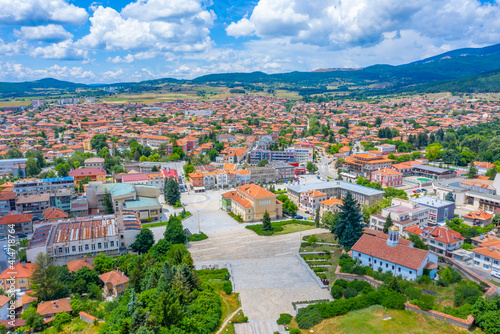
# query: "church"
[386,252]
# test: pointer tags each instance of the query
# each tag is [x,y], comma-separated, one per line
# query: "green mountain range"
[461,70]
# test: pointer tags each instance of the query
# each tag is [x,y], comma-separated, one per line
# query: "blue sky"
[120,40]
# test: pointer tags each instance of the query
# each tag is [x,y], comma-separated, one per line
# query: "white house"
[403,214]
[388,254]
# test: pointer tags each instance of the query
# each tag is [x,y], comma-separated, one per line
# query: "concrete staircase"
[259,327]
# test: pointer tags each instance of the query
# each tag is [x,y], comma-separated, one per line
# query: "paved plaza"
[265,270]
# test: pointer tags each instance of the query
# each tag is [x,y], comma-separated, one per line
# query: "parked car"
[299,217]
[495,273]
[307,212]
[22,236]
[423,189]
[415,192]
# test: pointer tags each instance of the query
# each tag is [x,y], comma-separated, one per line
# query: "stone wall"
[354,277]
[464,323]
[313,274]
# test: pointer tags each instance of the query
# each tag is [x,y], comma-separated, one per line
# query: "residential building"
[74,266]
[387,177]
[332,205]
[262,174]
[284,171]
[310,200]
[72,239]
[19,274]
[439,210]
[478,218]
[53,214]
[487,255]
[19,222]
[483,167]
[403,214]
[389,255]
[115,282]
[440,240]
[33,204]
[49,309]
[304,152]
[258,155]
[7,202]
[94,162]
[386,148]
[363,164]
[4,307]
[337,189]
[8,166]
[94,175]
[43,186]
[251,202]
[135,178]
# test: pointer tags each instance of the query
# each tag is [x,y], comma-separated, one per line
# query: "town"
[289,206]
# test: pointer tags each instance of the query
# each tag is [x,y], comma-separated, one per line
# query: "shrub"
[466,292]
[341,283]
[359,285]
[305,244]
[349,293]
[336,292]
[424,279]
[312,239]
[412,293]
[308,317]
[294,330]
[459,312]
[425,302]
[284,319]
[394,300]
[227,287]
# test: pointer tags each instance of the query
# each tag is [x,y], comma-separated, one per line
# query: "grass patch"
[283,227]
[177,205]
[494,282]
[371,320]
[150,225]
[197,237]
[236,217]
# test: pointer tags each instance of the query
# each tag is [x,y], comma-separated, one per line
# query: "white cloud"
[243,27]
[14,48]
[48,33]
[151,26]
[40,12]
[119,60]
[65,50]
[11,71]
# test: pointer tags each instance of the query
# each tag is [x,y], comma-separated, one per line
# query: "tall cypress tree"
[349,226]
[388,224]
[266,222]
[172,193]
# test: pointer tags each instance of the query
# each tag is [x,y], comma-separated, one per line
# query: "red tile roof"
[54,213]
[402,255]
[441,234]
[255,191]
[54,306]
[479,214]
[20,270]
[114,277]
[87,171]
[15,218]
[73,266]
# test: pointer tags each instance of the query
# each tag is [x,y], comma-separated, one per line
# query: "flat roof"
[356,188]
[431,169]
[433,201]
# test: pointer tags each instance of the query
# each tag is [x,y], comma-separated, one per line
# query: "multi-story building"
[72,239]
[94,162]
[7,202]
[251,202]
[43,186]
[94,175]
[386,148]
[440,240]
[257,155]
[139,198]
[153,141]
[487,255]
[363,164]
[332,205]
[387,177]
[478,218]
[8,166]
[115,283]
[22,223]
[18,275]
[262,174]
[284,171]
[33,204]
[310,200]
[304,152]
[403,214]
[337,189]
[439,210]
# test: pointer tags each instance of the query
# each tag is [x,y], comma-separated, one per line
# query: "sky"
[120,40]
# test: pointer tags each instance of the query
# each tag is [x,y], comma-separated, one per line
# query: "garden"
[282,227]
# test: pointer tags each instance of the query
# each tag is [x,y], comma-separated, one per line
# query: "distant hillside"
[465,52]
[31,87]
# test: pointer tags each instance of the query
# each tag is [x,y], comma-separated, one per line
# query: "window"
[99,245]
[66,250]
[476,263]
[485,266]
[60,250]
[411,272]
[112,244]
[477,256]
[392,267]
[105,245]
[399,269]
[22,281]
[93,246]
[87,247]
[487,259]
[73,249]
[387,265]
[80,248]
[375,261]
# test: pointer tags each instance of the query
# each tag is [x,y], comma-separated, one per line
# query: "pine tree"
[449,197]
[20,173]
[472,172]
[108,204]
[349,226]
[172,193]
[388,224]
[266,222]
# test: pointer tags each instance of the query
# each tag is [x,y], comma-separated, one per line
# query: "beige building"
[309,200]
[251,202]
[262,174]
[332,205]
[94,162]
[115,283]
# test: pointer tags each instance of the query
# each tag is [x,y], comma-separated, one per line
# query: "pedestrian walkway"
[259,327]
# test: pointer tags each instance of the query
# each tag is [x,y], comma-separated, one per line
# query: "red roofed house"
[54,214]
[94,174]
[439,240]
[392,256]
[74,266]
[333,205]
[4,307]
[487,255]
[115,283]
[478,218]
[310,200]
[50,308]
[22,271]
[387,177]
[169,172]
[23,223]
[482,167]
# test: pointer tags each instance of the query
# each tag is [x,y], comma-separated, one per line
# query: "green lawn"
[371,320]
[149,225]
[198,237]
[283,227]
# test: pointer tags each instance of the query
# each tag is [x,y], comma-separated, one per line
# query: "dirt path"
[224,324]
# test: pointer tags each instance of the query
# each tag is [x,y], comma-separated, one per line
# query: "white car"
[495,273]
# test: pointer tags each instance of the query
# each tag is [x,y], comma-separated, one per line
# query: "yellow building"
[86,145]
[115,283]
[251,202]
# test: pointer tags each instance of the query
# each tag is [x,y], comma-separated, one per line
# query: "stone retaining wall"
[318,280]
[464,323]
[354,277]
